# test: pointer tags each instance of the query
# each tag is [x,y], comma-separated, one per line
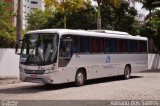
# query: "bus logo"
[108,59]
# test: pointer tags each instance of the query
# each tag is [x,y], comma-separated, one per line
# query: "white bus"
[54,56]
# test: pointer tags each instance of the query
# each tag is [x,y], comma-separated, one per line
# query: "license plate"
[33,76]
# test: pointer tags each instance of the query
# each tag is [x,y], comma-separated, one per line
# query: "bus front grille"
[34,71]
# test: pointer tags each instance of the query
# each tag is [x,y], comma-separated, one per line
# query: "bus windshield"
[39,49]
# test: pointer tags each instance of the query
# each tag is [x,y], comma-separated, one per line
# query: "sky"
[141,11]
[138,6]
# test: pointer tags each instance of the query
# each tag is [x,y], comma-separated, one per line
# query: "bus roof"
[93,33]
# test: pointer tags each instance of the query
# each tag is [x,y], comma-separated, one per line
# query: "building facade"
[26,7]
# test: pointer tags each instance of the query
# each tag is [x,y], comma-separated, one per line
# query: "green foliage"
[6,40]
[113,3]
[151,28]
[38,19]
[7,31]
[150,5]
[57,21]
[65,6]
[4,7]
[121,19]
[84,18]
[155,21]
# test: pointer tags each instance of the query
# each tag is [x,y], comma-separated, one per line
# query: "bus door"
[65,52]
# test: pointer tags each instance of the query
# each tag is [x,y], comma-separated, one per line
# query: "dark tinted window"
[75,44]
[111,45]
[142,46]
[97,45]
[84,44]
[137,46]
[132,46]
[122,46]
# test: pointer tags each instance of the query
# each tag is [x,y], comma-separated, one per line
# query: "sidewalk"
[152,71]
[4,81]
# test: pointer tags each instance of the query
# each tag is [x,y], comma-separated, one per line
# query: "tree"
[99,26]
[5,16]
[42,19]
[150,5]
[83,18]
[7,31]
[19,23]
[65,7]
[150,27]
[121,18]
[155,21]
[115,3]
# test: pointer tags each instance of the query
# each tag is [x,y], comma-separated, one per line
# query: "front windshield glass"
[39,49]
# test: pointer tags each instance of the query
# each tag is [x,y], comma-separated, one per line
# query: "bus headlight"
[48,71]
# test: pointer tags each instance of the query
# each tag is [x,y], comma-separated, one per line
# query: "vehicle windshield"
[39,49]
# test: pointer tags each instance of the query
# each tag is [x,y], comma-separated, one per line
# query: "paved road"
[142,86]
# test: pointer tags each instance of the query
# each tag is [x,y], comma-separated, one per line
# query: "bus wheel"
[80,78]
[127,72]
[48,85]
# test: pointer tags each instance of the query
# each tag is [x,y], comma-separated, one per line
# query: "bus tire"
[48,85]
[127,72]
[80,78]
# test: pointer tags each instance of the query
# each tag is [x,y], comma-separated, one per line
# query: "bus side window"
[122,46]
[132,46]
[142,48]
[108,45]
[111,45]
[84,44]
[75,45]
[97,45]
[144,45]
[65,50]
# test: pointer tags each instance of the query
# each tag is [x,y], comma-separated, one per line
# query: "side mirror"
[18,47]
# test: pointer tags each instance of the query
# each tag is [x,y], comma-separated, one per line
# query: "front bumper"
[50,78]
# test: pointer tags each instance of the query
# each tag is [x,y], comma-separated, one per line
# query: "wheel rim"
[127,72]
[80,78]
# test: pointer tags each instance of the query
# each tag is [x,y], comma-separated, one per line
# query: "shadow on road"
[109,80]
[26,89]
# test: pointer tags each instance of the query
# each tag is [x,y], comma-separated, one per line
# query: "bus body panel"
[115,67]
[97,65]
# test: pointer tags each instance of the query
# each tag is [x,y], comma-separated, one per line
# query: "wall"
[153,61]
[9,63]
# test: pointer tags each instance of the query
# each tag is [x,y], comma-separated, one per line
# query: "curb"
[4,81]
[151,71]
